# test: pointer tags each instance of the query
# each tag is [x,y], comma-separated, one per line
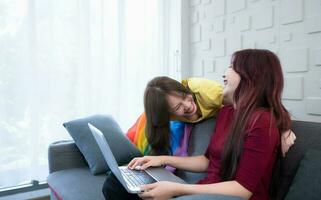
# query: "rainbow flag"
[180,132]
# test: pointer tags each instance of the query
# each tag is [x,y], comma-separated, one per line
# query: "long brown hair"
[260,86]
[158,113]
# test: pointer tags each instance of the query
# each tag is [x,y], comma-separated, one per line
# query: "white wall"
[290,28]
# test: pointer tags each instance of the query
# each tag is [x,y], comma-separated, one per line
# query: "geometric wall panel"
[313,105]
[263,17]
[243,22]
[218,25]
[195,2]
[196,34]
[293,88]
[293,13]
[215,9]
[290,28]
[286,37]
[209,65]
[313,24]
[206,44]
[234,43]
[317,57]
[295,60]
[218,46]
[197,69]
[234,6]
[194,17]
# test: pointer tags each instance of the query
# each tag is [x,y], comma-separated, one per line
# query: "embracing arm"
[287,140]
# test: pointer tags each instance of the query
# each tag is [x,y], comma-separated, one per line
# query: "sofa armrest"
[207,197]
[64,155]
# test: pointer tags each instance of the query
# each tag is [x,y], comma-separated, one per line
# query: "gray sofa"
[70,177]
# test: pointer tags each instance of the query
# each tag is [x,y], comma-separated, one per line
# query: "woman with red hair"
[240,158]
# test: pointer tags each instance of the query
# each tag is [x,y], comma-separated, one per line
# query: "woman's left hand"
[287,140]
[162,190]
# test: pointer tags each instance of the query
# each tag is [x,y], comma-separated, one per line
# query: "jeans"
[114,190]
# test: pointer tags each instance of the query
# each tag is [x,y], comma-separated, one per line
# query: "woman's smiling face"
[182,106]
[231,82]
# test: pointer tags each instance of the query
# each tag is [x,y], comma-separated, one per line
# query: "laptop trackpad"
[161,174]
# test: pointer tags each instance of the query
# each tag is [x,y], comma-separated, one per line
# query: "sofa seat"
[88,187]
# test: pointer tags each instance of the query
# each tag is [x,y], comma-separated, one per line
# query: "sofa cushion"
[199,140]
[308,137]
[80,132]
[307,181]
[77,183]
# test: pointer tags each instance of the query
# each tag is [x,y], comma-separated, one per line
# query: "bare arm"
[194,164]
[166,190]
[232,188]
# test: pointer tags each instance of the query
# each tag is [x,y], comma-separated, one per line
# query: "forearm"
[193,164]
[232,188]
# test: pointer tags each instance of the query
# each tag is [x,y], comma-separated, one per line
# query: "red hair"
[260,87]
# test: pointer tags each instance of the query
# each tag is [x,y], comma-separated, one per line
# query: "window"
[61,60]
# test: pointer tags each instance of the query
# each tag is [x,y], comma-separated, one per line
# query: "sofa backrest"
[308,137]
[199,140]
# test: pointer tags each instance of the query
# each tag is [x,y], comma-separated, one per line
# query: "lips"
[191,109]
[225,82]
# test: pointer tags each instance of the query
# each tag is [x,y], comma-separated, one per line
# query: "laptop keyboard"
[136,177]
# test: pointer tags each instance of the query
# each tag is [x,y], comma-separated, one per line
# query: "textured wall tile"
[215,8]
[209,65]
[219,46]
[206,44]
[205,2]
[295,60]
[248,42]
[286,37]
[313,24]
[197,67]
[293,88]
[292,11]
[243,22]
[317,57]
[194,17]
[195,2]
[234,43]
[234,6]
[219,25]
[313,105]
[196,34]
[263,16]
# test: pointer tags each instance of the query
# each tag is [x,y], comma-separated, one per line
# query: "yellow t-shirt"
[208,95]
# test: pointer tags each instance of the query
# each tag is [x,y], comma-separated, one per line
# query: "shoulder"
[195,84]
[262,121]
[263,118]
[226,110]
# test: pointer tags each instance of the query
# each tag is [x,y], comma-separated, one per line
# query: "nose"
[223,76]
[186,106]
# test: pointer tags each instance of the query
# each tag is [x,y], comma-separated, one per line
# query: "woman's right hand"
[145,162]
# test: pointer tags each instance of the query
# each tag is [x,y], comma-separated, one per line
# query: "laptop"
[131,179]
